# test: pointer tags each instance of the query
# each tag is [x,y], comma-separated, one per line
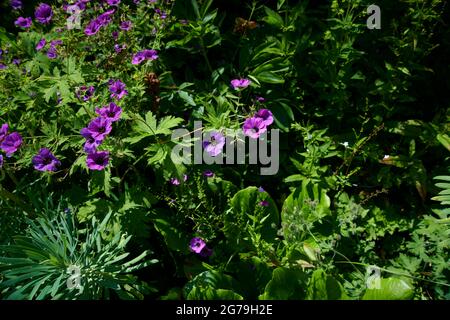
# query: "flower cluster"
[43,14]
[257,125]
[96,132]
[198,246]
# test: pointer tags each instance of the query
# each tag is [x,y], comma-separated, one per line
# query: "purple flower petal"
[41,44]
[43,13]
[254,127]
[23,22]
[97,160]
[11,143]
[240,83]
[197,244]
[215,144]
[99,128]
[266,115]
[45,161]
[111,112]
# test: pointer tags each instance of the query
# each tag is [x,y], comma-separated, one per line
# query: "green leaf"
[212,285]
[246,203]
[187,98]
[444,140]
[273,18]
[286,284]
[175,239]
[391,289]
[269,77]
[324,287]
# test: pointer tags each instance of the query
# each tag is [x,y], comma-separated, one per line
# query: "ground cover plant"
[120,128]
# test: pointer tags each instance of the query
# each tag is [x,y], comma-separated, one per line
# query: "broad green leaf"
[391,289]
[324,287]
[286,284]
[273,18]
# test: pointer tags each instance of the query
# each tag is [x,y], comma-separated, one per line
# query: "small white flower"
[386,156]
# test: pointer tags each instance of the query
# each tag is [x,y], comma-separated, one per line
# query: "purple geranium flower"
[266,116]
[43,13]
[41,44]
[176,182]
[261,189]
[119,48]
[254,127]
[85,93]
[138,58]
[55,43]
[11,143]
[208,173]
[197,244]
[45,161]
[113,2]
[147,54]
[1,160]
[100,127]
[125,25]
[150,54]
[240,83]
[3,66]
[97,160]
[111,112]
[16,4]
[16,61]
[91,144]
[215,145]
[23,22]
[51,53]
[105,18]
[3,131]
[161,13]
[117,89]
[115,35]
[92,28]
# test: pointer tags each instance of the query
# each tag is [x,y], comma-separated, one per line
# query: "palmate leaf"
[149,127]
